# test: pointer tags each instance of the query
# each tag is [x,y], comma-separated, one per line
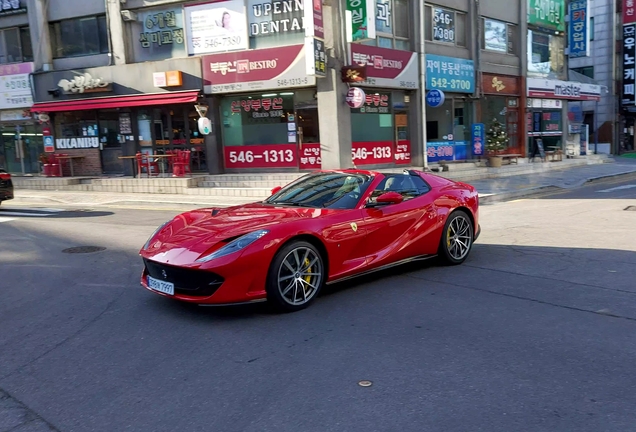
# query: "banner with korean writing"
[16,86]
[216,27]
[579,29]
[450,74]
[447,151]
[548,14]
[629,55]
[375,103]
[629,11]
[384,17]
[310,156]
[479,138]
[158,34]
[362,19]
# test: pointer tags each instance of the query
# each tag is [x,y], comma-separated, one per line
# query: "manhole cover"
[631,208]
[83,249]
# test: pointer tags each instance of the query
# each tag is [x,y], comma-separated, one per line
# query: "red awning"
[117,101]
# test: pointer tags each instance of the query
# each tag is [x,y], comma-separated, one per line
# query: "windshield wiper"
[289,203]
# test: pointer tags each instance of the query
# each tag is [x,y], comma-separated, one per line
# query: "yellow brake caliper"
[448,237]
[308,277]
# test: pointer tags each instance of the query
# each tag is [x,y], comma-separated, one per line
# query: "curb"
[507,196]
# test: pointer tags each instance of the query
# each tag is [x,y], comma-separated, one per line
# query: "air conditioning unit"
[127,15]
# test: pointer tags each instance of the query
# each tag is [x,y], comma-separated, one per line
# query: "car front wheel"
[457,238]
[295,277]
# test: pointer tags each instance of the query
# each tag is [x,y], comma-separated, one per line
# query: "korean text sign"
[362,19]
[579,29]
[450,74]
[629,55]
[479,138]
[629,11]
[547,14]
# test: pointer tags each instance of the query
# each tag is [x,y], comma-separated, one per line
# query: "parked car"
[6,186]
[322,228]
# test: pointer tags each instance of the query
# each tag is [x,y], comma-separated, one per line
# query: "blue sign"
[49,147]
[450,74]
[478,138]
[447,151]
[435,98]
[579,29]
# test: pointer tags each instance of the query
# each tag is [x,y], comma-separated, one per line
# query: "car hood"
[190,235]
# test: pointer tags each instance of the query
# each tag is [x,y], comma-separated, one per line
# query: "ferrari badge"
[354,226]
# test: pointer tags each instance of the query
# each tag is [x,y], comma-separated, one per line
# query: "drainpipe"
[422,54]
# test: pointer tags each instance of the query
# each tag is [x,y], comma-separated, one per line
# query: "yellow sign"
[497,84]
[354,226]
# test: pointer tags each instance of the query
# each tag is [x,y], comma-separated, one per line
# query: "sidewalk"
[490,190]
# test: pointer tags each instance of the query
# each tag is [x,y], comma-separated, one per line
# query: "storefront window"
[77,124]
[257,119]
[545,54]
[31,139]
[448,131]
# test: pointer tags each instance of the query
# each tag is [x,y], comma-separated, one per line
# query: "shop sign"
[383,16]
[443,25]
[15,86]
[478,134]
[265,69]
[49,146]
[77,143]
[570,90]
[629,11]
[446,151]
[314,22]
[160,34]
[453,75]
[16,115]
[355,97]
[375,103]
[205,125]
[372,153]
[549,14]
[317,61]
[353,74]
[261,156]
[385,67]
[279,20]
[362,19]
[629,57]
[579,29]
[435,98]
[500,84]
[84,84]
[551,122]
[216,27]
[310,156]
[403,152]
[12,7]
[167,79]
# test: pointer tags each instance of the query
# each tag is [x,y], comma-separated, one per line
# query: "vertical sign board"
[479,138]
[362,19]
[629,12]
[629,55]
[579,29]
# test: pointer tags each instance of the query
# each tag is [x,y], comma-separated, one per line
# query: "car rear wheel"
[457,238]
[295,277]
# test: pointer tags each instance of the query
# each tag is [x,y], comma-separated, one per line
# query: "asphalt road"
[535,332]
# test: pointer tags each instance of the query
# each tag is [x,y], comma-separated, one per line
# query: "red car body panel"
[353,241]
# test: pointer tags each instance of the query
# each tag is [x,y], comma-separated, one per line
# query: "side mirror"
[276,189]
[389,198]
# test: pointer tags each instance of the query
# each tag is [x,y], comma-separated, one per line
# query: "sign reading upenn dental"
[555,89]
[264,69]
[386,68]
[77,143]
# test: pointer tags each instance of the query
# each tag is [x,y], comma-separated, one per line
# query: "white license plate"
[161,286]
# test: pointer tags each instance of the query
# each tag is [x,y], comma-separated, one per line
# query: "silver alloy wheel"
[459,237]
[299,276]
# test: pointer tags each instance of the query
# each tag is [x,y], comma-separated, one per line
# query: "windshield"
[323,190]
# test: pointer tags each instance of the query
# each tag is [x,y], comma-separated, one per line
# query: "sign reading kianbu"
[77,143]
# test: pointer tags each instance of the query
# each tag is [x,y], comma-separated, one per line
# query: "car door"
[344,237]
[396,231]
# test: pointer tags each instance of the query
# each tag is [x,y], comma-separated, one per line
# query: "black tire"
[458,224]
[307,282]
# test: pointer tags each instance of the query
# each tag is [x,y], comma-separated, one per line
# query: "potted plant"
[496,141]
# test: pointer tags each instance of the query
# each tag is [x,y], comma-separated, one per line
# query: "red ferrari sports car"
[322,228]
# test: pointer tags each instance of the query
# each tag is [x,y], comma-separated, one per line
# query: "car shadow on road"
[47,214]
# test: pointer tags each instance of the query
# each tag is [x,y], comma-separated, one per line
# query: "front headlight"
[235,245]
[155,233]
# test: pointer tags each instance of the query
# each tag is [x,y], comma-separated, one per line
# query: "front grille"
[190,282]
